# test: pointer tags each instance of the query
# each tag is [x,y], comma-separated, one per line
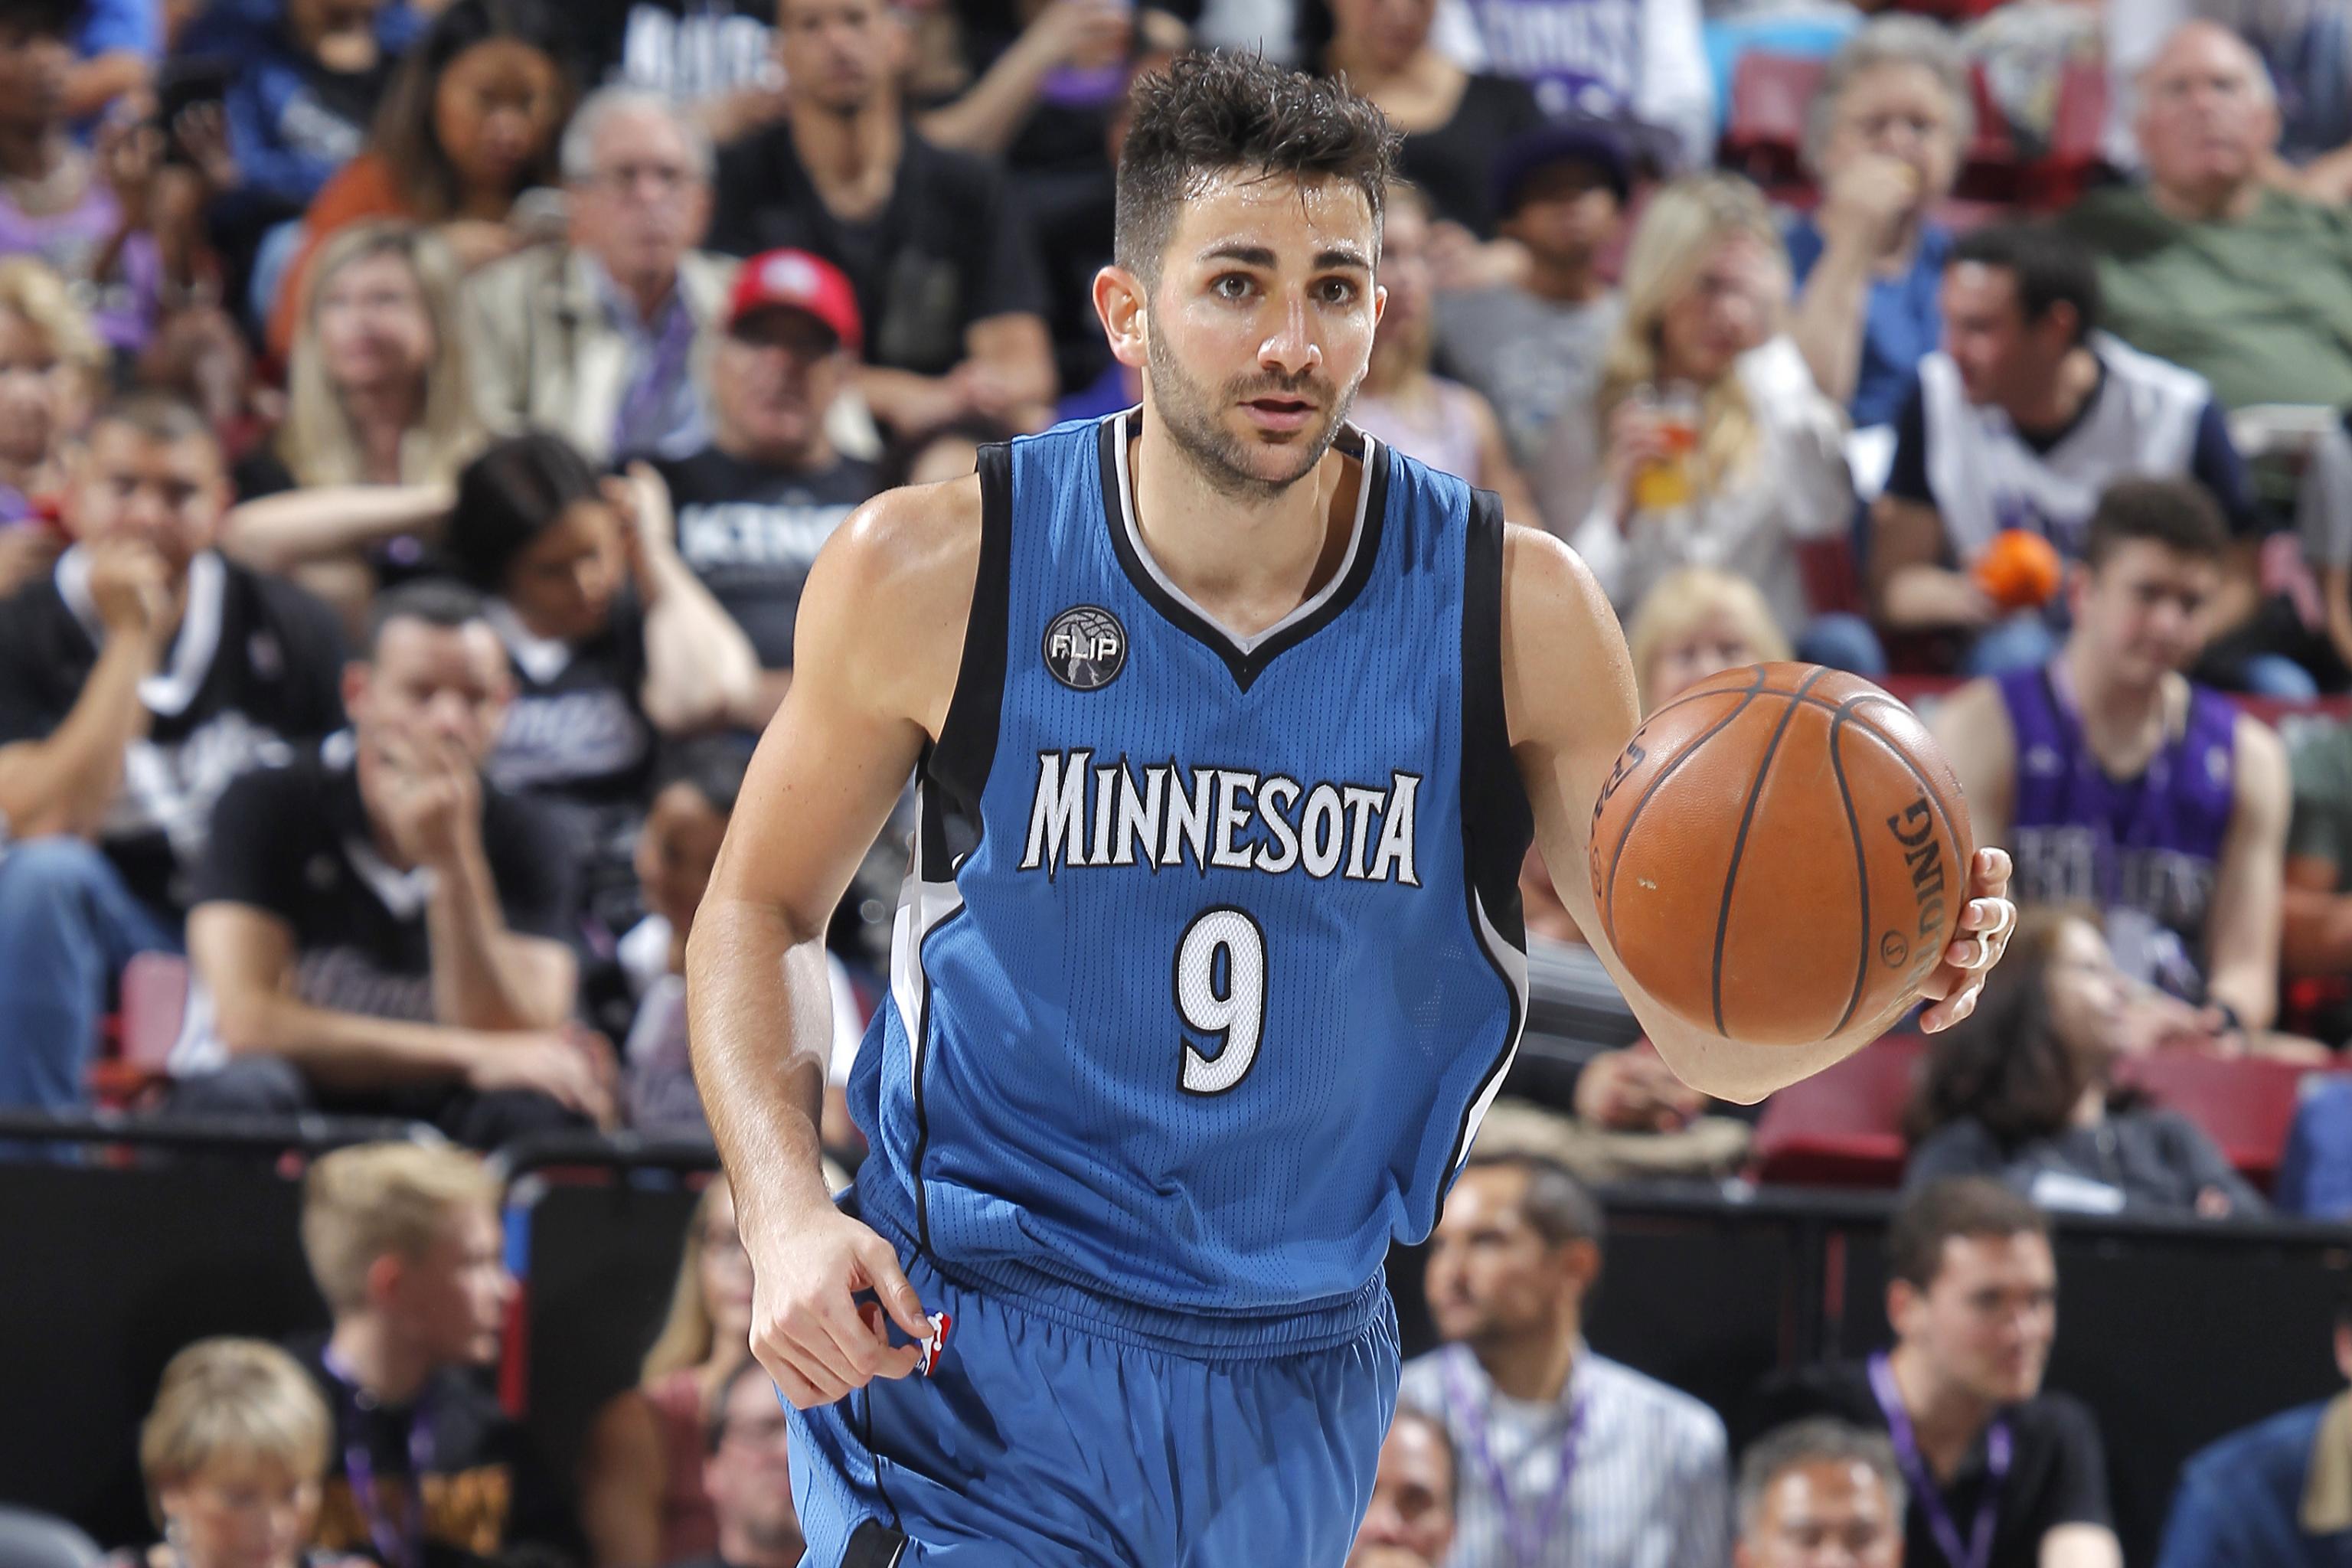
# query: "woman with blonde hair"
[233,1453]
[1719,449]
[641,1474]
[380,416]
[1695,622]
[52,367]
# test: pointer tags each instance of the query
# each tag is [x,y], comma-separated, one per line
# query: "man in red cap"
[755,505]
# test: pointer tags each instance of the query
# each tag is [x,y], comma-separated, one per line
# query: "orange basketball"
[2019,569]
[1781,853]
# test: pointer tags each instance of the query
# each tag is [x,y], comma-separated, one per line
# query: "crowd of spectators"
[418,419]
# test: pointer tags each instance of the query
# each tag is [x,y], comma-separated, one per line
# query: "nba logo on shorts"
[1086,647]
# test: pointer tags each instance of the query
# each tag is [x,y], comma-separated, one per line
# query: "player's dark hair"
[158,416]
[711,765]
[2050,268]
[1816,1440]
[1557,1205]
[1435,1426]
[434,601]
[2004,1066]
[1953,1207]
[2175,513]
[506,497]
[1210,112]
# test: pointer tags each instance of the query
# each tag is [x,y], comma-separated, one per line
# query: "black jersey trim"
[957,765]
[1247,666]
[1497,823]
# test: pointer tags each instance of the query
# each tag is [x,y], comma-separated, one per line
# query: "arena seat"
[1842,1127]
[2245,1104]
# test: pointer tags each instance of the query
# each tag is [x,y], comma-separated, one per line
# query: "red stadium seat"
[2244,1104]
[1769,93]
[1842,1127]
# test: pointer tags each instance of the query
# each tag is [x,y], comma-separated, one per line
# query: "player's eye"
[1234,286]
[1337,291]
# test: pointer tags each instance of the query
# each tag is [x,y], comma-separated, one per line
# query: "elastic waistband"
[886,1205]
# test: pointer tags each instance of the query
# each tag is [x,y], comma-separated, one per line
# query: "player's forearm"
[483,978]
[746,968]
[341,1049]
[66,783]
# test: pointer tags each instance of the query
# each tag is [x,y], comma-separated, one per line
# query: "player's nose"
[1291,347]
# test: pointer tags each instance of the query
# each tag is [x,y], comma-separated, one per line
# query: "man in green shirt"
[2207,265]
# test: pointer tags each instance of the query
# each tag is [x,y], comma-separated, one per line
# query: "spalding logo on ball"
[1779,854]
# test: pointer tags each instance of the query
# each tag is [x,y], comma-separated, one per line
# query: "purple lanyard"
[397,1548]
[1977,1553]
[656,382]
[1524,1535]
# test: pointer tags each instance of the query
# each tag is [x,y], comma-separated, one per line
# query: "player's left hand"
[1979,939]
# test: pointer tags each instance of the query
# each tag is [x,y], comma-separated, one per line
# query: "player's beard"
[1196,422]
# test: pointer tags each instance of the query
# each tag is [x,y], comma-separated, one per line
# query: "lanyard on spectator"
[655,380]
[1525,1534]
[398,1548]
[1978,1553]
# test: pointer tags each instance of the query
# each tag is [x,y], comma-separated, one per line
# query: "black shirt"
[480,1494]
[750,532]
[1453,164]
[577,727]
[2057,1473]
[946,250]
[295,841]
[254,672]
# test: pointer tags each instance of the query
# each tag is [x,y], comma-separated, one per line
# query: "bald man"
[2208,262]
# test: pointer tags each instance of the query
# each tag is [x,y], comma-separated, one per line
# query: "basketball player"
[1189,1017]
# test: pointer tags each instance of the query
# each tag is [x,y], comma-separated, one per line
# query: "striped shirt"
[1649,1486]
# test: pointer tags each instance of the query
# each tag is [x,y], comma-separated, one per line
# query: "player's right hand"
[807,1328]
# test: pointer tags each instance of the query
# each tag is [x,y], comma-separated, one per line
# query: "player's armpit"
[1568,693]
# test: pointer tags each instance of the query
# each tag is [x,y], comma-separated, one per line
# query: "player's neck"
[389,1371]
[1946,1418]
[1247,560]
[1532,1367]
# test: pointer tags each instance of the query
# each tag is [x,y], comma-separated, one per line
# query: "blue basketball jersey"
[1211,956]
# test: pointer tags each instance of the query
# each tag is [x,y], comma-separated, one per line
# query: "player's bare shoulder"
[888,596]
[1566,676]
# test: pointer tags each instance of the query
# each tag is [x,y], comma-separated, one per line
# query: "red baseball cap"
[799,281]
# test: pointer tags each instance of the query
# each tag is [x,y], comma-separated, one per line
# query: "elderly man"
[2207,263]
[1819,1493]
[595,339]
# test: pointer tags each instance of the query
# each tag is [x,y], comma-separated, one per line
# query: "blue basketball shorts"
[1060,1431]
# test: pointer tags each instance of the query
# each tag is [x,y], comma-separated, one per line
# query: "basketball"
[1781,854]
[2019,569]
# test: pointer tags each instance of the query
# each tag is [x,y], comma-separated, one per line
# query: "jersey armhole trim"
[958,763]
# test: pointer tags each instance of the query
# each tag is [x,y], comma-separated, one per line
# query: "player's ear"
[1122,301]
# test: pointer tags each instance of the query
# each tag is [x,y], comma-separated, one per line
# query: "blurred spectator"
[2113,779]
[308,77]
[748,1473]
[2207,265]
[468,123]
[1440,422]
[2024,1090]
[644,1472]
[1884,136]
[1533,348]
[949,452]
[756,505]
[377,931]
[380,418]
[405,1242]
[1818,1493]
[597,339]
[611,638]
[84,211]
[201,356]
[714,59]
[2019,421]
[2323,525]
[232,1454]
[1999,1472]
[137,680]
[51,368]
[116,44]
[947,278]
[1566,1455]
[1056,75]
[2303,44]
[1453,120]
[2277,1494]
[1720,451]
[1411,1522]
[2316,921]
[1610,59]
[1695,622]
